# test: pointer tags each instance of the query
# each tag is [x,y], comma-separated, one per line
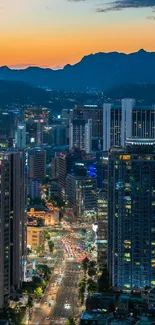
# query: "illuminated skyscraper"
[81,190]
[127,120]
[13,222]
[94,112]
[80,134]
[65,166]
[4,230]
[131,242]
[21,136]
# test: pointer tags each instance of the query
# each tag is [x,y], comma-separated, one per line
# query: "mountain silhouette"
[100,71]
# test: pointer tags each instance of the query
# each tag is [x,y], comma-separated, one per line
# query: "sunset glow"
[56,32]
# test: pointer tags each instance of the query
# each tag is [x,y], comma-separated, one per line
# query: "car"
[47,318]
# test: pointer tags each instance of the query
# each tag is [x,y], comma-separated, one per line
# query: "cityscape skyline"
[77,162]
[39,33]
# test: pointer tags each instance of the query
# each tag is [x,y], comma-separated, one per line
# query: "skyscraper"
[21,136]
[35,118]
[65,166]
[102,229]
[13,222]
[127,120]
[4,230]
[94,112]
[80,134]
[59,135]
[37,163]
[81,190]
[131,198]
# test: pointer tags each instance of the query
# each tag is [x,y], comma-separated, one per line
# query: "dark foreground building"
[131,242]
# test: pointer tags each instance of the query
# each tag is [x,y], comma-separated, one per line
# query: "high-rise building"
[102,229]
[127,120]
[36,112]
[80,134]
[94,112]
[34,189]
[20,138]
[59,135]
[37,164]
[65,166]
[35,118]
[131,213]
[67,115]
[55,167]
[4,230]
[13,222]
[81,190]
[9,120]
[101,165]
[34,131]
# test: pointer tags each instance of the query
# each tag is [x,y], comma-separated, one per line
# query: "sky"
[53,33]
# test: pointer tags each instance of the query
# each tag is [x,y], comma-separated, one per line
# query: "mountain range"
[100,71]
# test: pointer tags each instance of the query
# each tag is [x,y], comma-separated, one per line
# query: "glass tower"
[131,197]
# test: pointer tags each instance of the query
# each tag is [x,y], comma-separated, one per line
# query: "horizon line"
[24,66]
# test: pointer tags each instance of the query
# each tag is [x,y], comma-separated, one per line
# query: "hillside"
[101,71]
[144,94]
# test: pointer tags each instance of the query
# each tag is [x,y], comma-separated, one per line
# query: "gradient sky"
[56,32]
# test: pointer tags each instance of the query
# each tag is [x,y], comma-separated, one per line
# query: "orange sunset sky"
[56,32]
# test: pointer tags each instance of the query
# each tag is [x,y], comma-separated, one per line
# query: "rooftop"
[140,141]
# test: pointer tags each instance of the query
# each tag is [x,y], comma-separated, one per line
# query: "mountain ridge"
[100,71]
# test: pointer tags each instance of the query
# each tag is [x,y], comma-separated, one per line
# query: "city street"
[67,297]
[60,299]
[42,310]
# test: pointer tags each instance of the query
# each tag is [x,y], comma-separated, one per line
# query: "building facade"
[65,166]
[80,134]
[37,164]
[13,221]
[34,189]
[35,237]
[94,112]
[4,230]
[126,120]
[131,212]
[82,196]
[102,229]
[20,138]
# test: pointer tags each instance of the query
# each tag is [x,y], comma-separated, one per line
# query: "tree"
[51,245]
[103,281]
[30,302]
[70,321]
[92,264]
[81,294]
[82,282]
[47,235]
[28,251]
[39,282]
[44,269]
[92,268]
[91,271]
[37,201]
[39,250]
[38,292]
[85,263]
[83,231]
[92,286]
[82,289]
